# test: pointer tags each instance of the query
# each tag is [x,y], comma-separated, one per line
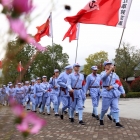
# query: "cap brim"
[94,69]
[108,63]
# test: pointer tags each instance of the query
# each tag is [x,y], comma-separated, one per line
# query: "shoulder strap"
[111,78]
[77,81]
[93,82]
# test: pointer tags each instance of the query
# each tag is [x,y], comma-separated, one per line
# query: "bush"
[135,85]
[125,85]
[132,95]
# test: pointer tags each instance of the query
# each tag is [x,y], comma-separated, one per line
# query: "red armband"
[49,90]
[83,83]
[101,83]
[118,82]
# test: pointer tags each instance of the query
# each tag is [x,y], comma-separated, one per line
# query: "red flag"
[20,67]
[44,29]
[106,12]
[73,32]
[0,64]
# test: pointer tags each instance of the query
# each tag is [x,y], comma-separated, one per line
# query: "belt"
[105,86]
[62,88]
[94,87]
[77,88]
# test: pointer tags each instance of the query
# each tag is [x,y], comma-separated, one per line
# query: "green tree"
[16,51]
[34,63]
[95,59]
[126,59]
[46,62]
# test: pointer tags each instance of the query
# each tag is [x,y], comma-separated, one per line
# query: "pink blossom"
[7,3]
[38,46]
[31,119]
[22,6]
[17,109]
[17,26]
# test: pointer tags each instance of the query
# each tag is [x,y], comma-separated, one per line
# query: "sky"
[92,38]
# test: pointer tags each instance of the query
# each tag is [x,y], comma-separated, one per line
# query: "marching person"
[57,88]
[27,94]
[46,95]
[50,82]
[84,99]
[1,96]
[93,82]
[109,93]
[11,92]
[19,94]
[62,82]
[33,96]
[76,90]
[8,85]
[55,94]
[38,92]
[4,95]
[122,91]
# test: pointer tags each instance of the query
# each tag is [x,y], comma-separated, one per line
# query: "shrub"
[125,85]
[135,85]
[132,95]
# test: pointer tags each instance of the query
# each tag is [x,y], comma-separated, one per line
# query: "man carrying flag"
[44,29]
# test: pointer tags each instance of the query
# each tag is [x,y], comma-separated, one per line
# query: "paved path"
[129,108]
[57,129]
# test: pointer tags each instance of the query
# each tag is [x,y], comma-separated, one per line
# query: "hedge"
[126,86]
[132,95]
[135,85]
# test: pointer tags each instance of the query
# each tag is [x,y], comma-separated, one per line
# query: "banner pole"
[125,23]
[76,52]
[20,76]
[121,38]
[52,41]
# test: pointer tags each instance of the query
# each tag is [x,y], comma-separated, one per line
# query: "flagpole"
[125,24]
[76,51]
[52,41]
[20,76]
[53,52]
[121,38]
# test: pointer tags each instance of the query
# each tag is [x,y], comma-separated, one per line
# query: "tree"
[34,63]
[46,62]
[95,59]
[16,51]
[126,60]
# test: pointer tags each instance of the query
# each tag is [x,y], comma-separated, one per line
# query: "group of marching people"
[70,88]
